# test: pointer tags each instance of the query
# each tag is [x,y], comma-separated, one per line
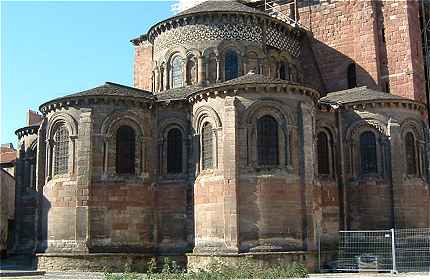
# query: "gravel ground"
[361,276]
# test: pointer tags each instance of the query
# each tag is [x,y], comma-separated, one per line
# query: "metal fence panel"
[400,250]
[365,251]
[412,248]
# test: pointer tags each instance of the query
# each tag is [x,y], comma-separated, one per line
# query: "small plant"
[216,270]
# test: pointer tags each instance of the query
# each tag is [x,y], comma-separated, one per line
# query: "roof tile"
[220,6]
[358,94]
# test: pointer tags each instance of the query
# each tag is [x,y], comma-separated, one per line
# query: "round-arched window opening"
[323,151]
[231,65]
[174,151]
[207,146]
[176,72]
[368,153]
[411,162]
[267,141]
[125,150]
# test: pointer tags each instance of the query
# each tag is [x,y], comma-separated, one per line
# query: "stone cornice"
[243,88]
[216,16]
[88,100]
[27,130]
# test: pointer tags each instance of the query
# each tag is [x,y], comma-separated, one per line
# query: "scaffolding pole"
[277,8]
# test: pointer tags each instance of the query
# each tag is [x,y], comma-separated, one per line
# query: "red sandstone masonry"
[143,67]
[343,32]
[347,31]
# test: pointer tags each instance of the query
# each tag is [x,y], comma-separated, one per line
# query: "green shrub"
[216,270]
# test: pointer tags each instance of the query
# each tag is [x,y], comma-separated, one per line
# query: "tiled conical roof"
[220,6]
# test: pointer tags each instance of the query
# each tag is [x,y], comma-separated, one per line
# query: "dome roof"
[107,90]
[220,6]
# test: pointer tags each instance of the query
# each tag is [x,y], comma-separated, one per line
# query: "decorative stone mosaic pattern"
[186,35]
[277,39]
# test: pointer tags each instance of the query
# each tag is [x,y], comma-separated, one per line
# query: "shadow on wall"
[44,208]
[338,71]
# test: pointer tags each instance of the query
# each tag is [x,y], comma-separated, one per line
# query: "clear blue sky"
[50,49]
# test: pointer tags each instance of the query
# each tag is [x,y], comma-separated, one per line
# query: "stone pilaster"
[83,172]
[231,191]
[396,167]
[306,168]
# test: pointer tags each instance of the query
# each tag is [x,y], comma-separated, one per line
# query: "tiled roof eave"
[69,101]
[177,18]
[385,102]
[241,87]
[374,103]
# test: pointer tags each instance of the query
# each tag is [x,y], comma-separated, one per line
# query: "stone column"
[50,150]
[201,70]
[166,79]
[156,82]
[231,184]
[218,69]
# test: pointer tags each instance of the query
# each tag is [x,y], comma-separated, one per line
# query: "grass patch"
[215,271]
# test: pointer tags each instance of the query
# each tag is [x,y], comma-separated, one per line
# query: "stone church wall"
[373,34]
[383,200]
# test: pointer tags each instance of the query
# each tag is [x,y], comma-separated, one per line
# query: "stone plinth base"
[265,259]
[115,262]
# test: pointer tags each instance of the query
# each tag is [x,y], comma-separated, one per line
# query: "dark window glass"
[323,154]
[174,151]
[352,76]
[61,150]
[207,146]
[125,150]
[231,65]
[368,153]
[177,75]
[267,141]
[283,72]
[411,162]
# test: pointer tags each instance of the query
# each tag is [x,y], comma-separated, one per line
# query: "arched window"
[207,146]
[176,72]
[283,72]
[411,163]
[267,141]
[61,150]
[125,150]
[191,71]
[368,153]
[231,67]
[352,76]
[323,154]
[174,151]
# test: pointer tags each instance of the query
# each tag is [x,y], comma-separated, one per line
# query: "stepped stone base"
[264,259]
[120,262]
